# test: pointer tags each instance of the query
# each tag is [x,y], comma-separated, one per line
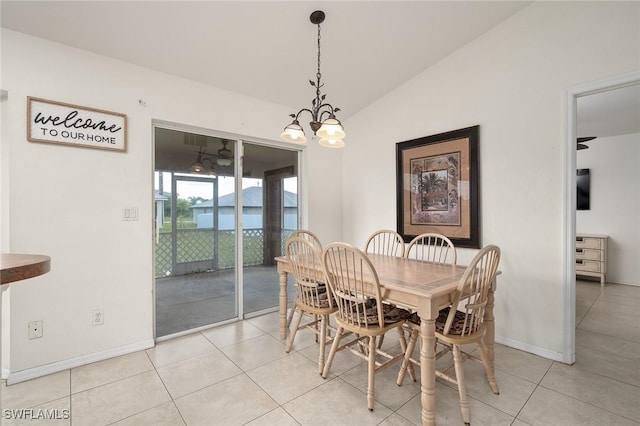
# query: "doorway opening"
[223,208]
[569,275]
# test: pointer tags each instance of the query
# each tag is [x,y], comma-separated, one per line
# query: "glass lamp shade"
[293,133]
[224,161]
[196,167]
[332,142]
[331,129]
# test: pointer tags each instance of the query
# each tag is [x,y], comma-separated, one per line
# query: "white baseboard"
[4,373]
[543,352]
[55,367]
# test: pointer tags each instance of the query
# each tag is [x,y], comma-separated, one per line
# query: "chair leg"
[332,352]
[462,390]
[291,312]
[487,368]
[413,338]
[403,346]
[323,341]
[293,332]
[371,373]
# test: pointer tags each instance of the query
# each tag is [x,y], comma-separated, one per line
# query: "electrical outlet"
[35,329]
[97,317]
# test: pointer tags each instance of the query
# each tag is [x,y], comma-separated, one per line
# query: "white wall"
[511,81]
[614,164]
[67,202]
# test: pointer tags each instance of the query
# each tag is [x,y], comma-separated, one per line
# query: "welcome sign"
[61,123]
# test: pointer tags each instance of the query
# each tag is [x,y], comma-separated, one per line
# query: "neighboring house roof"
[251,197]
[159,197]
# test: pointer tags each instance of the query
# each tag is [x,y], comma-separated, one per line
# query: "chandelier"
[324,123]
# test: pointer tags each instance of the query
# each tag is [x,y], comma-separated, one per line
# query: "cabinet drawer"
[588,242]
[589,254]
[587,265]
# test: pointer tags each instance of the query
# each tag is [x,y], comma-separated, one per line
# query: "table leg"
[490,334]
[3,288]
[428,371]
[282,308]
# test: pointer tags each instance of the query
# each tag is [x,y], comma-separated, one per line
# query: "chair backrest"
[385,241]
[349,272]
[470,298]
[431,247]
[309,236]
[306,264]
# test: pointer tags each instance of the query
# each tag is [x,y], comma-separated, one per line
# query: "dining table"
[17,267]
[421,286]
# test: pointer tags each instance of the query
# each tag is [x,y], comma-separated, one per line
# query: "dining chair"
[309,236]
[385,241]
[361,312]
[312,295]
[461,323]
[313,238]
[432,247]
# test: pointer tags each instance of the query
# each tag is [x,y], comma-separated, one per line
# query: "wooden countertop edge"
[16,267]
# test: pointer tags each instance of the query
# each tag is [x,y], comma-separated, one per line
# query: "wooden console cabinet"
[591,256]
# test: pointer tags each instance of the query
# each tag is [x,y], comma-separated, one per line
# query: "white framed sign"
[66,124]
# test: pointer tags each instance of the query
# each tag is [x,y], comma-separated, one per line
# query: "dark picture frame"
[437,186]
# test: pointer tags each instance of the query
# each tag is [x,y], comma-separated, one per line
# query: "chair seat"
[392,314]
[319,298]
[457,327]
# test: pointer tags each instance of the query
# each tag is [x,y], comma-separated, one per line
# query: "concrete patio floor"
[195,300]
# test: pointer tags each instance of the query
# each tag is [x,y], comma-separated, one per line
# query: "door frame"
[269,176]
[238,166]
[175,268]
[569,263]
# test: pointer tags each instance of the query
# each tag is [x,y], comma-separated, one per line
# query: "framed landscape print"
[437,186]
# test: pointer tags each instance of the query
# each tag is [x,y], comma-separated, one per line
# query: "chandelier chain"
[318,74]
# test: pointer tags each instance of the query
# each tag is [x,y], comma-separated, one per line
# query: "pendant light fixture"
[198,165]
[324,123]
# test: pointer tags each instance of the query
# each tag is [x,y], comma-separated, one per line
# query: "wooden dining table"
[17,267]
[423,287]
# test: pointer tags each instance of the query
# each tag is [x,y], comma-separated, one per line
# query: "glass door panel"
[269,210]
[195,250]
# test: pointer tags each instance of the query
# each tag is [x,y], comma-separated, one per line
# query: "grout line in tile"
[165,387]
[590,404]
[533,391]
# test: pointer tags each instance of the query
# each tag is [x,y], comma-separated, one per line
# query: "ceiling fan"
[580,142]
[225,156]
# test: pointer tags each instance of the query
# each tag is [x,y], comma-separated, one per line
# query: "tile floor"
[239,374]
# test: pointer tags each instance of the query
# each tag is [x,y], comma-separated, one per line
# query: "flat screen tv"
[582,178]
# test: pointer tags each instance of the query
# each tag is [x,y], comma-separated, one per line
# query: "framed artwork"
[74,125]
[437,186]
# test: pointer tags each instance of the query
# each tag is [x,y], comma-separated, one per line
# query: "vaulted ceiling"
[267,49]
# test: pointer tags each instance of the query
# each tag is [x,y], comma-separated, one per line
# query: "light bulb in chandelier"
[294,133]
[331,129]
[332,143]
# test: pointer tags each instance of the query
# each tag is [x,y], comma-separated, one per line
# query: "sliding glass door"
[201,234]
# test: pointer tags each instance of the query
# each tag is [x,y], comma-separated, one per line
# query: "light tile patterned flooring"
[239,374]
